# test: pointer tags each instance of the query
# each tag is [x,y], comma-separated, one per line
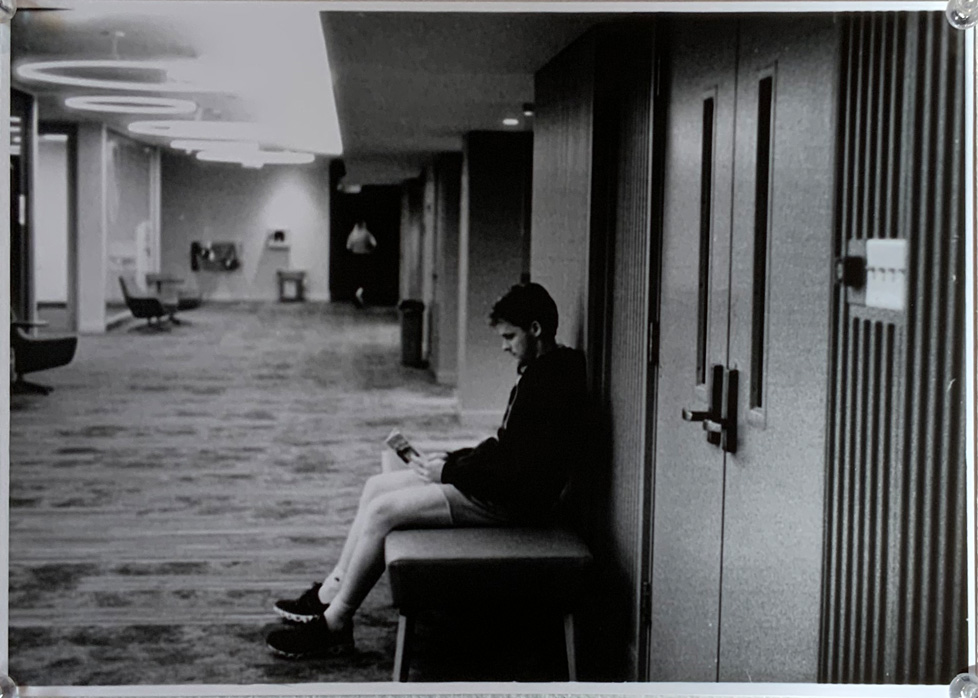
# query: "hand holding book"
[427,466]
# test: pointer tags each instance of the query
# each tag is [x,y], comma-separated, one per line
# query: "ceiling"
[405,85]
[410,84]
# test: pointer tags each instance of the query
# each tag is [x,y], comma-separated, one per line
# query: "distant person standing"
[361,244]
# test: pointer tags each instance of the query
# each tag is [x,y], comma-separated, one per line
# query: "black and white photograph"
[560,345]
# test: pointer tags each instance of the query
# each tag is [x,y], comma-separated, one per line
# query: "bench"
[458,568]
[463,567]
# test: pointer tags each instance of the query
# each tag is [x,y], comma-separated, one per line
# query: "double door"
[747,230]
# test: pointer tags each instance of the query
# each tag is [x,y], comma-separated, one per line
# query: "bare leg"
[412,506]
[375,486]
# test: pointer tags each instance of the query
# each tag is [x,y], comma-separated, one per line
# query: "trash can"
[412,321]
[291,285]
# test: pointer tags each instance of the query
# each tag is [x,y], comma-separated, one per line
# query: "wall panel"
[622,254]
[498,167]
[894,605]
[563,125]
[226,203]
[444,350]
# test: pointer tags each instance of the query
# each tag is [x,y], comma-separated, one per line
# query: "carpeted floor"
[176,483]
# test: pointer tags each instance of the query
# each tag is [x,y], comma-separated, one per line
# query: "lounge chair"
[147,307]
[30,353]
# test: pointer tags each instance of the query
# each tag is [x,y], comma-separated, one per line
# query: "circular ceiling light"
[132,105]
[207,130]
[201,144]
[511,122]
[256,158]
[54,72]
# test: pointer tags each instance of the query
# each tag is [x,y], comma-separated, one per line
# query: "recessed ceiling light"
[527,109]
[53,72]
[217,130]
[510,121]
[202,144]
[132,105]
[256,157]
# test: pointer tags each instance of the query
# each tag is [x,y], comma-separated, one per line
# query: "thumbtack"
[964,686]
[962,14]
[8,689]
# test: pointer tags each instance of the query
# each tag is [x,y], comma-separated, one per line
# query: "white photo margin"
[381,689]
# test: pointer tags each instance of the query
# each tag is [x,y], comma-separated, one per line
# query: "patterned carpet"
[176,483]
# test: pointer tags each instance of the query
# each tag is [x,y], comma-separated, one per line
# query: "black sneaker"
[304,609]
[311,640]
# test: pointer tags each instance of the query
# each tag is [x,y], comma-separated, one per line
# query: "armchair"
[31,353]
[146,307]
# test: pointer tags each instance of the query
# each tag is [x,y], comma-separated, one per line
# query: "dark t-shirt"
[526,466]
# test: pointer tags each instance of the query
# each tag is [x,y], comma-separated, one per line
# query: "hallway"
[175,483]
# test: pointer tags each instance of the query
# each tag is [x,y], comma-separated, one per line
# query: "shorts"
[467,511]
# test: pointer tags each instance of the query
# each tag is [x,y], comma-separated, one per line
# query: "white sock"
[331,587]
[339,614]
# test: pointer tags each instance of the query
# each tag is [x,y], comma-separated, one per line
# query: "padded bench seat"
[462,567]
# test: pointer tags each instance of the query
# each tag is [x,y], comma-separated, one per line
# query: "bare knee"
[385,513]
[372,487]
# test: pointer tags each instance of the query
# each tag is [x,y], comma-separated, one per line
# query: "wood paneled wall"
[561,217]
[498,167]
[624,249]
[592,248]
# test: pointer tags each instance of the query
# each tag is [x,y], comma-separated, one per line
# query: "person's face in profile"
[522,344]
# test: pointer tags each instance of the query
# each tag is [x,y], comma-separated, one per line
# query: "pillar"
[494,226]
[91,228]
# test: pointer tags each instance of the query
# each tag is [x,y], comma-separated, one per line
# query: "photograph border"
[645,689]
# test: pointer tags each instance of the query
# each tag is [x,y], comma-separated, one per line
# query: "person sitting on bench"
[516,477]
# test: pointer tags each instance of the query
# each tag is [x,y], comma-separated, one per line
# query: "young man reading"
[513,478]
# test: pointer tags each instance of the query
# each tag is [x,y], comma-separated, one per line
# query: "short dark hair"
[522,305]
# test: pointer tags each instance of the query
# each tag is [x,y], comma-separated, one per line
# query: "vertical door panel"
[688,490]
[780,301]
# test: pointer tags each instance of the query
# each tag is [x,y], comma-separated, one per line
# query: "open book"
[402,447]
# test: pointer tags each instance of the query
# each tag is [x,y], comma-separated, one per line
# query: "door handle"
[716,406]
[695,416]
[720,421]
[730,394]
[725,430]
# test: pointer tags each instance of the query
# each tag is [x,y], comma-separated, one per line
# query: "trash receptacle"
[412,320]
[291,285]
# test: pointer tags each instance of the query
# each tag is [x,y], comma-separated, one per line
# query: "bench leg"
[402,657]
[571,647]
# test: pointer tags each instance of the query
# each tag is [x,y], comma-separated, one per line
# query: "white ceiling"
[406,85]
[244,62]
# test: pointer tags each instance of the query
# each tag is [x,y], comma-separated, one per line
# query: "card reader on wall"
[886,274]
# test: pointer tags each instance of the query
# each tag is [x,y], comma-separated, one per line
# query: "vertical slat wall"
[622,144]
[561,201]
[894,605]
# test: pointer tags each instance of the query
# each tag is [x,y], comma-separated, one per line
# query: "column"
[494,224]
[91,228]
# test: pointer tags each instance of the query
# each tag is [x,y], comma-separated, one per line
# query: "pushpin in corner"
[964,686]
